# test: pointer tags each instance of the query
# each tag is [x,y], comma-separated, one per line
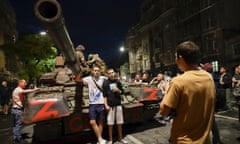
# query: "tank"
[59,110]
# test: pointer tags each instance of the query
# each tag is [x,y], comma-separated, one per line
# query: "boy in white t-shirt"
[96,102]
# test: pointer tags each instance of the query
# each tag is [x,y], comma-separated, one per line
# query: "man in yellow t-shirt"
[191,97]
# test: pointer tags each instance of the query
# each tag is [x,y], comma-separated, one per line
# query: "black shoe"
[238,138]
[25,136]
[20,141]
[23,141]
[16,141]
[218,142]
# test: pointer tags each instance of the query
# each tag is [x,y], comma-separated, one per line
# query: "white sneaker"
[122,141]
[102,141]
[109,142]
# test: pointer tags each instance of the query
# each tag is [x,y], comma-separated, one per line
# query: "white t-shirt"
[16,97]
[95,95]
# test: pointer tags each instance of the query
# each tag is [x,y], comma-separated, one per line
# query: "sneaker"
[102,141]
[110,142]
[162,122]
[167,118]
[122,141]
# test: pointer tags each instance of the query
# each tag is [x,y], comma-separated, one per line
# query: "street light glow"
[43,33]
[122,49]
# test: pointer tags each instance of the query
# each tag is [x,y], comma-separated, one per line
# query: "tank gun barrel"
[49,13]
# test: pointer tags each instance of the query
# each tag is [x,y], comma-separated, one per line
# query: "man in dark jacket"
[225,83]
[112,90]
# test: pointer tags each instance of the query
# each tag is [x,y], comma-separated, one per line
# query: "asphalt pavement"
[149,132]
[6,129]
[227,122]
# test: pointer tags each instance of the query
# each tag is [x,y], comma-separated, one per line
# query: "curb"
[134,140]
[226,117]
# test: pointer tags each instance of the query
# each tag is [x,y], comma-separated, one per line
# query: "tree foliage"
[126,68]
[35,55]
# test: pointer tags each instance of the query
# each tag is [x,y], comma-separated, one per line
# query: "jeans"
[17,123]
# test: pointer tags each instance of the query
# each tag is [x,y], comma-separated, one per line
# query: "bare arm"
[30,90]
[106,104]
[164,110]
[153,80]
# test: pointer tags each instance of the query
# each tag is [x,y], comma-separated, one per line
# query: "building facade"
[7,35]
[213,24]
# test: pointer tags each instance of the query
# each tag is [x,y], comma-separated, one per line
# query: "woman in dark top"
[5,94]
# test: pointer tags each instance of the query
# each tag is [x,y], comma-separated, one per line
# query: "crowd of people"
[190,93]
[189,98]
[181,95]
[227,84]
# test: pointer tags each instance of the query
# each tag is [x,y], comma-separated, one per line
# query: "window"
[210,44]
[236,48]
[210,22]
[158,43]
[157,57]
[215,66]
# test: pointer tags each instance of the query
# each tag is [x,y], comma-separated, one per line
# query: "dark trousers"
[215,132]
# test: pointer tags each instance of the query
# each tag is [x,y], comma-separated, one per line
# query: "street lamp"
[124,64]
[122,49]
[43,33]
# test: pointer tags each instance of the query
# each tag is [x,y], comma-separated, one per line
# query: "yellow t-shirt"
[192,95]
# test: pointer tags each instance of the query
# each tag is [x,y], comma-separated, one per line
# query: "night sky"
[100,25]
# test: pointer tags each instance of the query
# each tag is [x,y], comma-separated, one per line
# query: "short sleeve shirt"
[16,96]
[192,96]
[113,98]
[95,94]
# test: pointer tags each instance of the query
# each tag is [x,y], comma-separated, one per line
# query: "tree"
[126,68]
[125,71]
[35,55]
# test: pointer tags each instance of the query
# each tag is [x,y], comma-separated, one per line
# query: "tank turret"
[60,95]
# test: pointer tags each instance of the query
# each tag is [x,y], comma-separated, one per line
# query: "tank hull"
[75,127]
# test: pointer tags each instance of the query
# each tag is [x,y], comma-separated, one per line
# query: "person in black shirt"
[225,83]
[112,90]
[5,93]
[145,78]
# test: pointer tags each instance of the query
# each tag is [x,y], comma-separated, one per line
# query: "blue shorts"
[96,111]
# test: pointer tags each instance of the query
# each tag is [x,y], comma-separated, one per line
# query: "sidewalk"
[6,123]
[228,114]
